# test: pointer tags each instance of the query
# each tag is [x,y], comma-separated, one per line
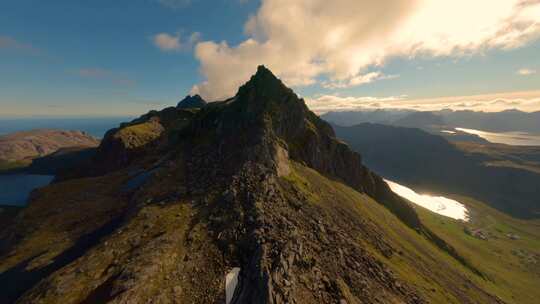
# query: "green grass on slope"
[512,266]
[437,276]
[138,135]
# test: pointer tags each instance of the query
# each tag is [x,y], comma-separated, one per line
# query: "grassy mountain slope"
[435,275]
[509,256]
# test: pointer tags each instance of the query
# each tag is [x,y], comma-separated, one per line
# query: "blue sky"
[95,58]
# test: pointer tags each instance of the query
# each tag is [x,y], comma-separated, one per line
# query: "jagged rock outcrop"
[257,182]
[138,138]
[120,146]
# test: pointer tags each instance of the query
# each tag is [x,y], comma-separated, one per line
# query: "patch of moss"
[302,184]
[138,135]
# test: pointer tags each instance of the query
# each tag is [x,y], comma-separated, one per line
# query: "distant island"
[21,149]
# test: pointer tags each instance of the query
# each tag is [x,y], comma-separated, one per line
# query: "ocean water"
[15,188]
[94,126]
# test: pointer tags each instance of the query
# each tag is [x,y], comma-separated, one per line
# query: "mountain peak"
[263,71]
[189,101]
[264,84]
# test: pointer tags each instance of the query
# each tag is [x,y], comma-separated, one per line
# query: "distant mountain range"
[505,121]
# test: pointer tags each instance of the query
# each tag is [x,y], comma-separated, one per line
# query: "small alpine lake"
[438,204]
[15,188]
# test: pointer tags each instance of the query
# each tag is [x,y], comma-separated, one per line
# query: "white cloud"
[528,101]
[526,72]
[169,43]
[166,42]
[326,103]
[357,80]
[303,40]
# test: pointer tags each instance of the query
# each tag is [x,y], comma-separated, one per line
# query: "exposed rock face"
[190,102]
[257,182]
[120,146]
[138,138]
[267,102]
[28,145]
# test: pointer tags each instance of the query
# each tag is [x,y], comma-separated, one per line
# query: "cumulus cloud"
[357,80]
[341,40]
[526,101]
[326,103]
[168,43]
[525,72]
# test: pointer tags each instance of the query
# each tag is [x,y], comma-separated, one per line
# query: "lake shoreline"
[18,187]
[435,203]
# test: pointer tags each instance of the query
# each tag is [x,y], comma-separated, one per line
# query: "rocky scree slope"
[178,197]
